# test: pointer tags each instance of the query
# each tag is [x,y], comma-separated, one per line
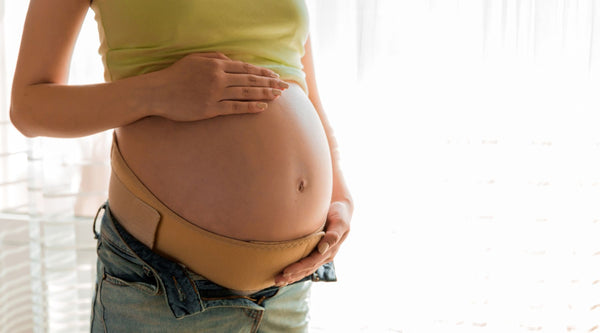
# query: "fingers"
[300,269]
[310,264]
[250,93]
[238,107]
[239,67]
[235,66]
[252,87]
[337,230]
[251,80]
[246,82]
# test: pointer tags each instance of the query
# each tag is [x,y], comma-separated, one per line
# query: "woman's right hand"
[205,85]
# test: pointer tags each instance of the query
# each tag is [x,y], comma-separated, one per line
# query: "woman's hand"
[336,230]
[205,85]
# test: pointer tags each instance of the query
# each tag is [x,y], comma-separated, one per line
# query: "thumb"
[328,241]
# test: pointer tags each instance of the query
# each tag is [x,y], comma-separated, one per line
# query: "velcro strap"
[137,217]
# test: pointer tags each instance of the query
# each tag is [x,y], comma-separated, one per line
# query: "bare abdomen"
[263,176]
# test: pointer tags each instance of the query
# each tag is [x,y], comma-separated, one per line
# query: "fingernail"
[286,275]
[323,247]
[283,85]
[261,105]
[273,74]
[276,92]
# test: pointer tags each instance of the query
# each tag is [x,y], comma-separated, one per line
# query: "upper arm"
[49,34]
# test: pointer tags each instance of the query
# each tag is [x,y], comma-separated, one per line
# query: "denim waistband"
[186,293]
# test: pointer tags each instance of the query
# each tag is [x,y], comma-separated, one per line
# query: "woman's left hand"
[336,230]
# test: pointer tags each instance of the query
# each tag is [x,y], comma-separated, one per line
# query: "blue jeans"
[139,291]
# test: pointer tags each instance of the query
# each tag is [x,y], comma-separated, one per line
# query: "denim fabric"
[139,291]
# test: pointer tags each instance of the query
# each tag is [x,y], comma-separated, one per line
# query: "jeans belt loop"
[97,234]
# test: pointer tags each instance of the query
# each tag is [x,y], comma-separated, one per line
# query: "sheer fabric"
[468,136]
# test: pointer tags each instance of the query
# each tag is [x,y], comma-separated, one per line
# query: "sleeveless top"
[141,36]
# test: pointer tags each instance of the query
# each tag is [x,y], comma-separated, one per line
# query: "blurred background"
[469,136]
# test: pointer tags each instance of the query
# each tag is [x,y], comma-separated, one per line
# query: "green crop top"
[141,36]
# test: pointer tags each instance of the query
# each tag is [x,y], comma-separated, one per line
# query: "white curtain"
[469,138]
[49,192]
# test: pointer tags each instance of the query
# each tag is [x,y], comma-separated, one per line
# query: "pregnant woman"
[226,199]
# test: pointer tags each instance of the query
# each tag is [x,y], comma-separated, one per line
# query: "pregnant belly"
[264,176]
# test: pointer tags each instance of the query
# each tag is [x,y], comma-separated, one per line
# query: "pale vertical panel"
[3,81]
[472,151]
[16,313]
[593,31]
[49,190]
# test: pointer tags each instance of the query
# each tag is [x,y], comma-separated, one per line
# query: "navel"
[301,185]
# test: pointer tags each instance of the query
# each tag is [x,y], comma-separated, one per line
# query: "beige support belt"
[232,263]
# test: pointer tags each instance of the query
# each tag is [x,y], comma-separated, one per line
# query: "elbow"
[20,122]
[20,113]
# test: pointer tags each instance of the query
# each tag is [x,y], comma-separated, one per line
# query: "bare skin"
[263,176]
[226,144]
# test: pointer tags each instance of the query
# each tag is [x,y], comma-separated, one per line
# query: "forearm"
[57,110]
[341,192]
